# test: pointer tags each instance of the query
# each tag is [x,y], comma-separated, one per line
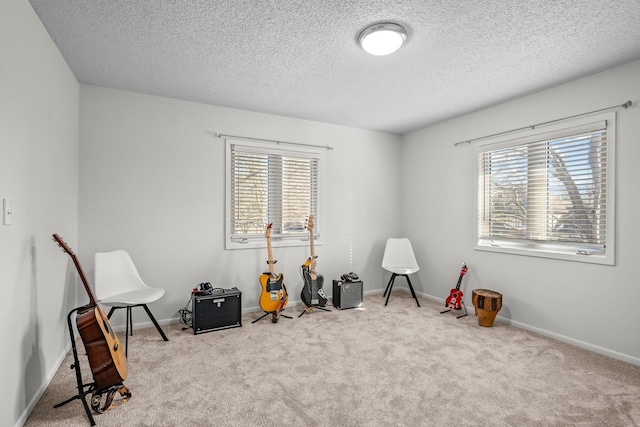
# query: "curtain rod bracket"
[462,142]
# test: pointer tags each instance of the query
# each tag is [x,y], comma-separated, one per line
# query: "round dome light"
[382,39]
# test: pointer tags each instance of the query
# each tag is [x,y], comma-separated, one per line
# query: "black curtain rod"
[625,105]
[326,147]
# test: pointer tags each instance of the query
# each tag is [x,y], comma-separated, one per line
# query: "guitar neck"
[68,251]
[270,254]
[85,283]
[462,273]
[313,253]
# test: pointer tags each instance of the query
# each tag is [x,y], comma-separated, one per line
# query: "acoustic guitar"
[454,300]
[106,355]
[273,298]
[312,292]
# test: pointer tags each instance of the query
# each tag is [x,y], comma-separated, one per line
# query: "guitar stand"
[309,308]
[83,389]
[266,313]
[462,315]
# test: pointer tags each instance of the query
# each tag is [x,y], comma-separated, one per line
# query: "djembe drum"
[487,305]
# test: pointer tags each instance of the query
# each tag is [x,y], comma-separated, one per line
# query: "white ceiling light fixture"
[382,39]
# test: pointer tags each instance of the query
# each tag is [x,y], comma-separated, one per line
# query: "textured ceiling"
[299,58]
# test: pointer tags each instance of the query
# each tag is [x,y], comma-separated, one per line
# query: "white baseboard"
[568,340]
[43,387]
[562,338]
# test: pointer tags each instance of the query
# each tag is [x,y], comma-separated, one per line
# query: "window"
[269,184]
[551,193]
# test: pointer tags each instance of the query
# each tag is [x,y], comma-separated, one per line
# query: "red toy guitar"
[454,300]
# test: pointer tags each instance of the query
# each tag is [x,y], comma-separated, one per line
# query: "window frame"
[277,240]
[579,252]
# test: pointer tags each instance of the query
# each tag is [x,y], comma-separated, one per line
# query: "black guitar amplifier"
[347,294]
[219,310]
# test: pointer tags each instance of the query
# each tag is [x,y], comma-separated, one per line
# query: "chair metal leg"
[390,287]
[153,319]
[387,291]
[126,334]
[393,275]
[412,291]
[129,324]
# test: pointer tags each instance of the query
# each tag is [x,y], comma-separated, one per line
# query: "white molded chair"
[118,285]
[400,261]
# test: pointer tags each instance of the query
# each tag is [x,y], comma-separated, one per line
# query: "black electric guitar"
[454,300]
[312,292]
[273,298]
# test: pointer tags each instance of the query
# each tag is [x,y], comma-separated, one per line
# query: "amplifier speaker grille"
[347,294]
[220,310]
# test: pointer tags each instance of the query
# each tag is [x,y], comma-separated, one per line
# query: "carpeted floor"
[398,365]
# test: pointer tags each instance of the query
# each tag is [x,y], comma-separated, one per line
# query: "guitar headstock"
[62,244]
[463,270]
[310,223]
[267,233]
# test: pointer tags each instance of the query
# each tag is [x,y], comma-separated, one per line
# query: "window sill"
[584,253]
[262,243]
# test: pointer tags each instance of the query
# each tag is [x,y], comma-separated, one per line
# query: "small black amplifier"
[347,294]
[219,310]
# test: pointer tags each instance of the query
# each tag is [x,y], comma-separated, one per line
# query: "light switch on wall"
[7,211]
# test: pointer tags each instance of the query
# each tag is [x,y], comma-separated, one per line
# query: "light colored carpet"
[398,365]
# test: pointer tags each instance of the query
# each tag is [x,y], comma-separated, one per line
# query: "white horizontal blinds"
[299,193]
[249,192]
[551,189]
[270,186]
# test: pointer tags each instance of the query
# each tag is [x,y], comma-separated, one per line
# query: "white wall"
[590,305]
[39,172]
[152,181]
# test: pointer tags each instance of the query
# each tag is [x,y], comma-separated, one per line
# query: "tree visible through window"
[547,193]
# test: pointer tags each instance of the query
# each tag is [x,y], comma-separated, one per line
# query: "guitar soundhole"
[107,329]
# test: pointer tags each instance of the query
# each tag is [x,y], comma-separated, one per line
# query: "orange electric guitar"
[273,298]
[106,355]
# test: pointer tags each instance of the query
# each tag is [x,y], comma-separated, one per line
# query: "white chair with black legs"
[400,260]
[119,285]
